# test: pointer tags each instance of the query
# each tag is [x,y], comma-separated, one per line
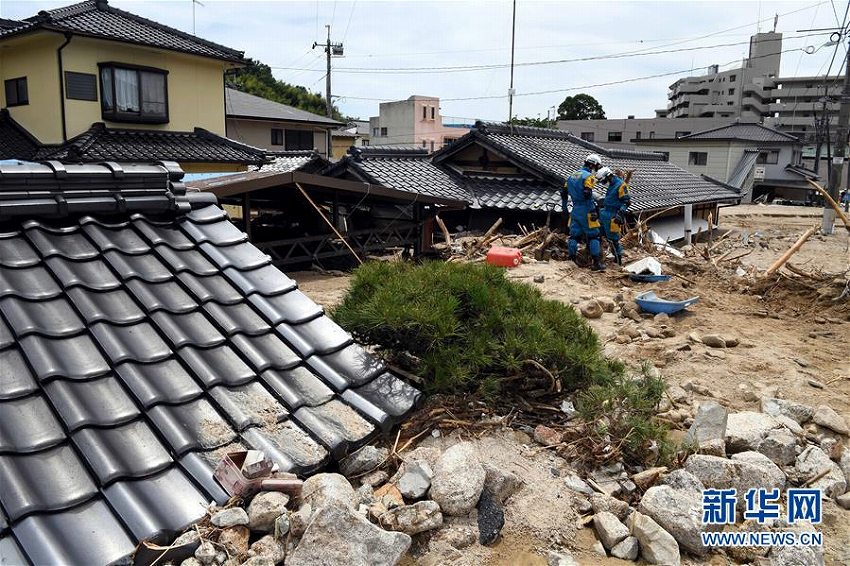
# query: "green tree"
[580,107]
[536,122]
[256,78]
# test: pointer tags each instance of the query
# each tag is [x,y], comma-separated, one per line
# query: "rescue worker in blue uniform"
[614,208]
[584,217]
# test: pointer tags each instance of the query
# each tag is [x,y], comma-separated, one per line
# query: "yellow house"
[90,82]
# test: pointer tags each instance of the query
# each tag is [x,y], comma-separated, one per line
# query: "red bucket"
[504,257]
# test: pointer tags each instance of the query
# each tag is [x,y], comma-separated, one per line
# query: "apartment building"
[415,122]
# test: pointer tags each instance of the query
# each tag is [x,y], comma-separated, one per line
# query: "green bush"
[468,328]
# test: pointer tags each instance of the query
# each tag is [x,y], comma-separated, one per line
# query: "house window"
[16,92]
[299,139]
[277,136]
[133,94]
[768,158]
[375,132]
[80,86]
[682,134]
[424,144]
[652,135]
[365,142]
[732,78]
[615,136]
[383,132]
[731,91]
[587,136]
[432,146]
[424,112]
[433,112]
[664,154]
[637,135]
[697,158]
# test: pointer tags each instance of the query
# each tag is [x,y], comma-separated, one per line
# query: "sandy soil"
[786,340]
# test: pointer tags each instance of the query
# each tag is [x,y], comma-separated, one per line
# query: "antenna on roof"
[193,13]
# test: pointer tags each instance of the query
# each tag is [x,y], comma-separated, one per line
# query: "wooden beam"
[791,251]
[246,214]
[328,222]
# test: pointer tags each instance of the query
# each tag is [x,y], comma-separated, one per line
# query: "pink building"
[415,122]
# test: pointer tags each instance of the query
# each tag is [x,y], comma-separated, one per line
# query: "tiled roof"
[286,161]
[137,348]
[745,132]
[408,170]
[513,194]
[95,18]
[15,141]
[238,104]
[100,143]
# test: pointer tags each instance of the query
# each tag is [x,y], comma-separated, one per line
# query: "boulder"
[376,478]
[790,424]
[746,430]
[205,553]
[649,477]
[265,508]
[813,461]
[825,416]
[366,459]
[609,529]
[415,480]
[281,526]
[601,503]
[413,519]
[339,535]
[458,536]
[299,520]
[575,483]
[844,463]
[256,561]
[679,512]
[780,445]
[235,540]
[657,546]
[232,517]
[269,547]
[741,474]
[458,479]
[843,501]
[501,484]
[774,407]
[191,561]
[683,480]
[546,436]
[716,447]
[606,303]
[627,549]
[491,518]
[714,341]
[709,422]
[569,409]
[796,556]
[328,489]
[776,477]
[563,558]
[590,309]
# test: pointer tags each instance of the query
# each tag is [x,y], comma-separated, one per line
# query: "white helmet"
[593,159]
[603,173]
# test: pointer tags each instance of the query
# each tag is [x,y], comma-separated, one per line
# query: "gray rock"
[746,430]
[265,508]
[825,416]
[709,422]
[601,503]
[780,445]
[324,489]
[721,473]
[270,547]
[609,478]
[365,494]
[627,549]
[844,464]
[258,561]
[577,484]
[458,536]
[569,409]
[811,462]
[776,477]
[366,459]
[416,479]
[539,278]
[501,484]
[609,529]
[716,447]
[339,535]
[458,479]
[599,548]
[844,501]
[679,512]
[657,546]
[790,424]
[281,526]
[590,309]
[191,561]
[376,478]
[231,517]
[413,519]
[714,341]
[491,518]
[774,407]
[563,558]
[299,520]
[683,480]
[205,553]
[796,556]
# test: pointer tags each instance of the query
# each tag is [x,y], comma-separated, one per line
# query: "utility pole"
[331,50]
[836,176]
[193,14]
[511,90]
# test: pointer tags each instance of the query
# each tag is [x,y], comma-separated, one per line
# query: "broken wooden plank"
[445,230]
[328,222]
[791,251]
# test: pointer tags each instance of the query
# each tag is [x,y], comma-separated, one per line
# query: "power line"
[350,15]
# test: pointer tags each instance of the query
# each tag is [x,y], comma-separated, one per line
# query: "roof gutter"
[68,37]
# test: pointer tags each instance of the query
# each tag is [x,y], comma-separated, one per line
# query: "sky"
[394,49]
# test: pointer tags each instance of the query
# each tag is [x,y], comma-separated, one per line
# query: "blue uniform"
[584,220]
[617,201]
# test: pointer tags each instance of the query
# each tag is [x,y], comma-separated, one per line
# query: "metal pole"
[837,173]
[513,44]
[689,217]
[329,106]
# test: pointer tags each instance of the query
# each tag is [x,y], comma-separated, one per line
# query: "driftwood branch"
[791,251]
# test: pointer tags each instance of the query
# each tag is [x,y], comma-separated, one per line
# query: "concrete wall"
[410,123]
[722,156]
[258,133]
[195,84]
[648,128]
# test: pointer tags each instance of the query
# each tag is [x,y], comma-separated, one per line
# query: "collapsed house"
[142,337]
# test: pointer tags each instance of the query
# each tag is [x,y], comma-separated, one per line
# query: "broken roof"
[100,143]
[743,132]
[141,337]
[238,104]
[15,141]
[96,18]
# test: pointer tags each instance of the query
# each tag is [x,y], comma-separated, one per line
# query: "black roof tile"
[221,233]
[28,425]
[28,283]
[127,451]
[293,307]
[238,318]
[191,328]
[50,318]
[188,260]
[87,534]
[167,296]
[45,481]
[10,552]
[138,375]
[112,306]
[98,402]
[15,141]
[192,426]
[75,358]
[217,366]
[93,274]
[355,364]
[161,382]
[390,394]
[137,342]
[139,502]
[16,378]
[298,387]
